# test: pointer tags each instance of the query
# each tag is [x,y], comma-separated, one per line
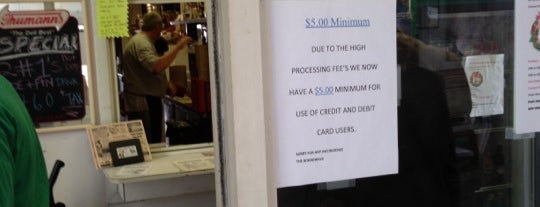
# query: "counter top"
[165,164]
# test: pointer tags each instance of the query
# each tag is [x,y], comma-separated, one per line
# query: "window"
[187,114]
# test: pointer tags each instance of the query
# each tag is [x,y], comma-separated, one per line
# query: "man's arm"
[166,59]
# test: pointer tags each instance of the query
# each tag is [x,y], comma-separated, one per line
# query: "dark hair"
[161,46]
[150,21]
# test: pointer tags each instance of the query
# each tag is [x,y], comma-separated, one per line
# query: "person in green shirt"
[23,174]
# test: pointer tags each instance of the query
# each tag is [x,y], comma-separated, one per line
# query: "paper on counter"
[194,165]
[132,170]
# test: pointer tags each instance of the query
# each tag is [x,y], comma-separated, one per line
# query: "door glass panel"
[453,148]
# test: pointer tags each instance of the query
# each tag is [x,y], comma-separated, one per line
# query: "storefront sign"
[334,89]
[527,67]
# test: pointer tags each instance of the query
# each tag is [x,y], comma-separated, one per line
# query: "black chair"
[52,179]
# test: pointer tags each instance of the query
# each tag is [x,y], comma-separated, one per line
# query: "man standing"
[23,174]
[144,73]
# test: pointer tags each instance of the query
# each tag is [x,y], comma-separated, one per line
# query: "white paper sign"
[334,88]
[527,67]
[485,76]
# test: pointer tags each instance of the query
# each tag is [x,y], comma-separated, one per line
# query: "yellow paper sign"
[112,18]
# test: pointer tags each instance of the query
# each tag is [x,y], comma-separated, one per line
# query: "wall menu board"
[40,55]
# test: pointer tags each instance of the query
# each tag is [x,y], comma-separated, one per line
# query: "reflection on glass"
[479,171]
[186,114]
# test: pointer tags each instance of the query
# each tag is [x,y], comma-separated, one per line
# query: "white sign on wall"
[485,76]
[527,67]
[334,88]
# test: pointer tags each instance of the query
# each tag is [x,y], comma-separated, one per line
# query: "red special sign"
[32,19]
